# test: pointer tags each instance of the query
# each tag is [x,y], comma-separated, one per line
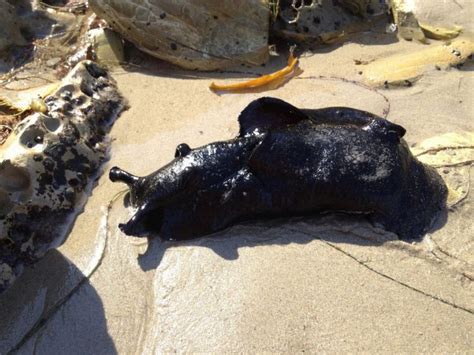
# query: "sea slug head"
[160,187]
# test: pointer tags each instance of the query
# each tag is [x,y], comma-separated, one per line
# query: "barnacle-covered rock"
[324,21]
[48,163]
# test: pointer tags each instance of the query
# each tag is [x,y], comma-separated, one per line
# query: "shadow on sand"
[34,311]
[330,228]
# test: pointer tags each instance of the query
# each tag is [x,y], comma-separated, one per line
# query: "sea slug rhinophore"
[285,162]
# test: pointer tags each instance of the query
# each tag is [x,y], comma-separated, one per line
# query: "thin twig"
[401,283]
[386,110]
[461,163]
[439,149]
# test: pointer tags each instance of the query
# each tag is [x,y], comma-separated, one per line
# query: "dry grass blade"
[274,8]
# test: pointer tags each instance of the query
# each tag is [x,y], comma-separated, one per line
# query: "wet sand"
[324,284]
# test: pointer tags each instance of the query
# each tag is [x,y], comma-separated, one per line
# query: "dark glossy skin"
[288,162]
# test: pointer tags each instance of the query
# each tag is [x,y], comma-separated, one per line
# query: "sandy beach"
[325,284]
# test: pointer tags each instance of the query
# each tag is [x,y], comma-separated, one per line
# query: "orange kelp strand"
[259,82]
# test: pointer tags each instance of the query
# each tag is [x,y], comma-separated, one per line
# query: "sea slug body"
[285,162]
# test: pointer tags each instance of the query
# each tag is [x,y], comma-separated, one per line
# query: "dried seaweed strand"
[386,110]
[259,82]
[4,133]
[448,165]
[5,104]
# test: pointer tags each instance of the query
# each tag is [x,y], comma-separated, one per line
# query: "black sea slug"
[286,162]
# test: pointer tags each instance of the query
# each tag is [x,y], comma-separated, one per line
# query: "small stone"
[53,62]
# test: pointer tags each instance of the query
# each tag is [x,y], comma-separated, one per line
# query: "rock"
[10,29]
[408,26]
[202,35]
[48,163]
[325,21]
[108,46]
[445,14]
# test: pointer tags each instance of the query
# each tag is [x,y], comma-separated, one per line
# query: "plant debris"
[440,33]
[270,80]
[453,155]
[402,68]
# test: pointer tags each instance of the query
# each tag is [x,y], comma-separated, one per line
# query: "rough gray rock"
[194,34]
[10,33]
